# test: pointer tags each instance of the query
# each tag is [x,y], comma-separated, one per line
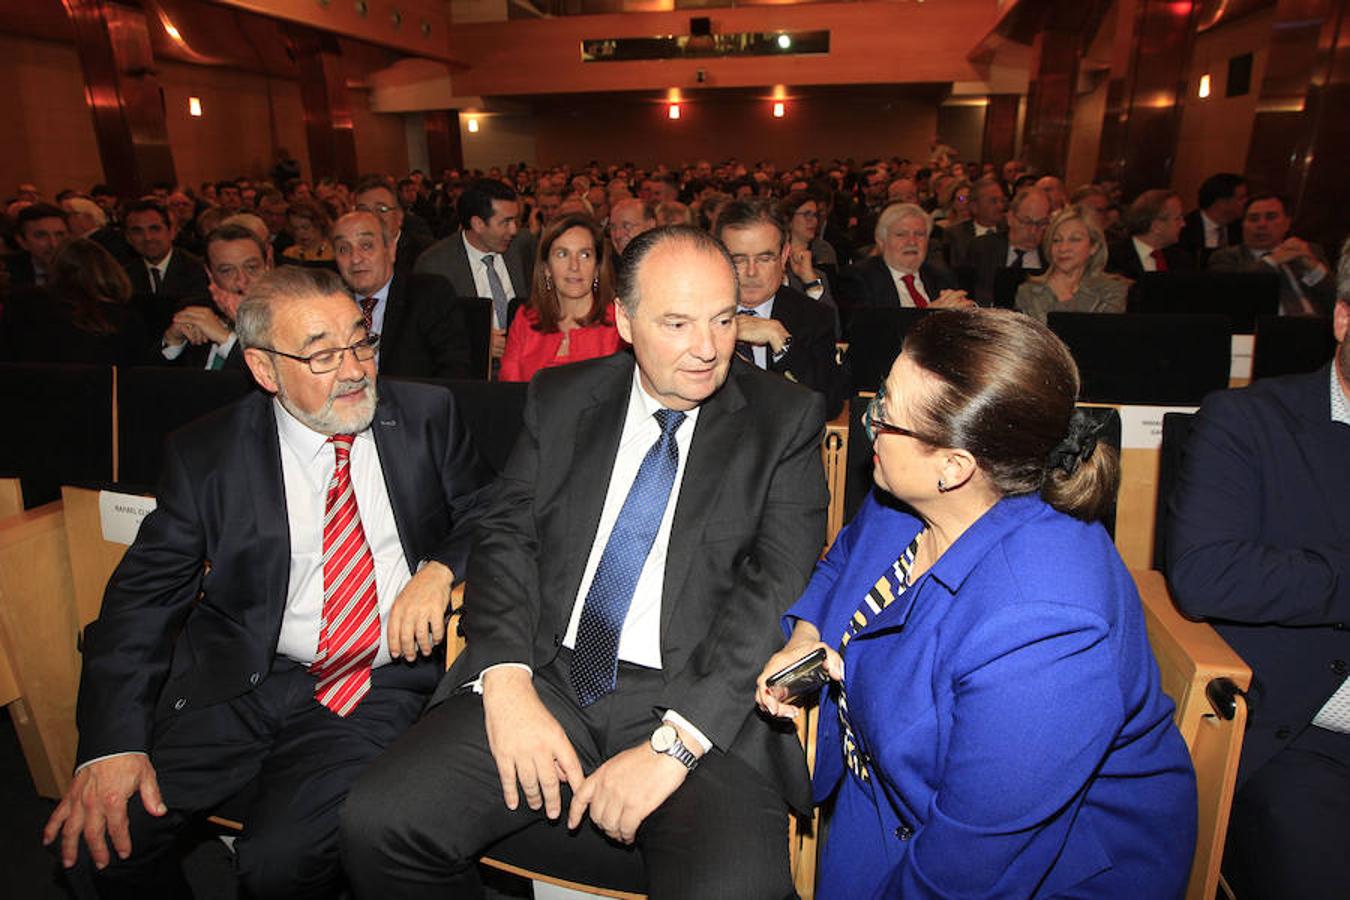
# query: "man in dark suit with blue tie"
[264,629]
[1257,544]
[654,521]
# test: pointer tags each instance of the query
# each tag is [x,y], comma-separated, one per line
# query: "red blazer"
[528,351]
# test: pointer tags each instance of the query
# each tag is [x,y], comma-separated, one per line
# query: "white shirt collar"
[306,443]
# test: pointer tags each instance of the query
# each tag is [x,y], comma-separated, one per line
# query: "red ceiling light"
[673,110]
[779,109]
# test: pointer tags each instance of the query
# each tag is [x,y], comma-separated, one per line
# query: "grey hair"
[897,211]
[641,246]
[253,319]
[379,223]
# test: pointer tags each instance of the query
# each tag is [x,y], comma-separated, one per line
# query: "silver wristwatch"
[666,740]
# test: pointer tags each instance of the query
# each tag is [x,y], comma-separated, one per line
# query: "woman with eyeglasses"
[993,724]
[1074,249]
[570,314]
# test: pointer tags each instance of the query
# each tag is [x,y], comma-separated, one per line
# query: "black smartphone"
[801,677]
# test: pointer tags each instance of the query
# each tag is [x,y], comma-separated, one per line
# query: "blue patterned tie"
[596,660]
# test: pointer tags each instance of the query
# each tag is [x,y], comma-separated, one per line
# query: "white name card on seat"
[120,515]
[1141,426]
[1240,365]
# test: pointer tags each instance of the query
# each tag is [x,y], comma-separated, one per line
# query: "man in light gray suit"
[488,256]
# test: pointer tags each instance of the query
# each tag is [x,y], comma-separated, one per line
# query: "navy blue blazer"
[1257,544]
[174,634]
[1011,715]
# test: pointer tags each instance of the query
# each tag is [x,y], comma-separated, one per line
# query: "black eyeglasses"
[326,361]
[875,425]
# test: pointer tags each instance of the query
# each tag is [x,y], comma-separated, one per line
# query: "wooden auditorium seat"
[11,497]
[1205,679]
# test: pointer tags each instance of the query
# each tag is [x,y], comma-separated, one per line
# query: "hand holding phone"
[805,676]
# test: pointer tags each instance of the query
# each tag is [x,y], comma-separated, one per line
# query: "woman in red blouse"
[570,314]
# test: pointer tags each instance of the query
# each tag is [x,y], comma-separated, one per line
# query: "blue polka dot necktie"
[596,659]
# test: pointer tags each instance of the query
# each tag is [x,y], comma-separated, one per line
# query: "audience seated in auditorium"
[163,277]
[375,194]
[672,212]
[82,313]
[721,467]
[86,219]
[1256,544]
[1152,225]
[271,207]
[810,260]
[777,327]
[420,324]
[1217,222]
[309,223]
[194,688]
[1305,286]
[1053,187]
[902,274]
[1017,248]
[569,316]
[1075,280]
[987,216]
[40,228]
[201,336]
[628,218]
[489,256]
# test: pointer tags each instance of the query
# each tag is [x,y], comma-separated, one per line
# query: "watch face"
[663,738]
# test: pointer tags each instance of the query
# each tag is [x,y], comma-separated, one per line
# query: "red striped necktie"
[349,634]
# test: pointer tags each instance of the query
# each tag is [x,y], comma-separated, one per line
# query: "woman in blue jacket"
[994,726]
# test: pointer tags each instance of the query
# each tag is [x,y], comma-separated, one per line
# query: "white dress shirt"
[480,276]
[898,277]
[162,267]
[1031,259]
[1145,254]
[1216,235]
[307,463]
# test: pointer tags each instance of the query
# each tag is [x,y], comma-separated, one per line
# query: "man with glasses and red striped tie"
[272,627]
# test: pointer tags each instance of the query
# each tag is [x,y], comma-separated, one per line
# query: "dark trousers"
[1289,833]
[300,760]
[417,820]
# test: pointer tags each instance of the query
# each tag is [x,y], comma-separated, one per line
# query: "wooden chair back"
[1204,678]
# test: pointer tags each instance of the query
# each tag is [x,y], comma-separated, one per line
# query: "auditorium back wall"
[50,135]
[863,123]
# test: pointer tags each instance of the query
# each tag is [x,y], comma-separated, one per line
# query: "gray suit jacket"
[448,259]
[1239,259]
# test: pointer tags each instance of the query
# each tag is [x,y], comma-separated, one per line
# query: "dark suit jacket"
[194,356]
[411,245]
[1193,237]
[810,358]
[19,266]
[957,243]
[185,281]
[1121,259]
[749,525]
[448,259]
[987,255]
[869,283]
[1257,544]
[424,334]
[157,647]
[1239,259]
